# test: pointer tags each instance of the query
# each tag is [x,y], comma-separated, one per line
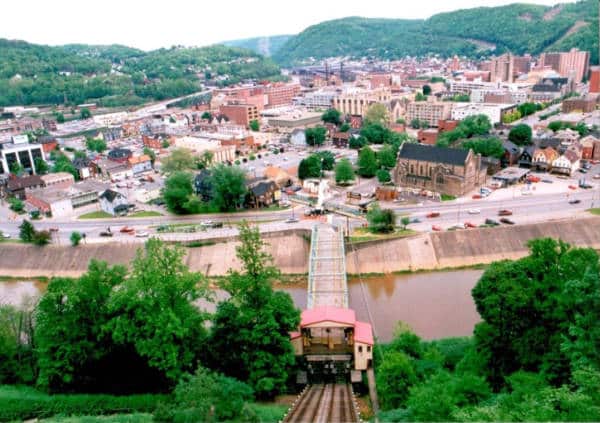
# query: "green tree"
[150,153]
[520,134]
[16,205]
[85,113]
[254,125]
[70,338]
[357,143]
[41,238]
[16,168]
[332,116]
[415,124]
[367,162]
[17,363]
[344,127]
[206,115]
[180,159]
[344,172]
[555,126]
[26,231]
[75,238]
[250,337]
[315,136]
[381,220]
[154,310]
[63,164]
[426,90]
[178,193]
[205,161]
[96,145]
[60,118]
[420,97]
[386,157]
[327,159]
[395,376]
[228,187]
[41,167]
[377,113]
[383,176]
[488,147]
[405,220]
[206,396]
[309,167]
[376,133]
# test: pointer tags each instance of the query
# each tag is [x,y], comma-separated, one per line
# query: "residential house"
[443,170]
[526,156]
[113,202]
[588,143]
[543,158]
[341,139]
[18,186]
[140,164]
[512,153]
[567,163]
[59,180]
[112,170]
[262,194]
[82,164]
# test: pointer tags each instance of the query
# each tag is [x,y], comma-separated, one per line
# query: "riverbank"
[463,249]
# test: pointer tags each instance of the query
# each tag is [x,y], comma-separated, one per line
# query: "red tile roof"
[344,316]
[363,333]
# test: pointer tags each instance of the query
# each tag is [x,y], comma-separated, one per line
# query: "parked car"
[491,222]
[582,170]
[5,235]
[415,220]
[433,214]
[106,233]
[533,178]
[596,176]
[53,229]
[573,187]
[507,221]
[436,228]
[477,197]
[127,230]
[292,220]
[474,211]
[142,234]
[505,212]
[547,181]
[470,225]
[574,201]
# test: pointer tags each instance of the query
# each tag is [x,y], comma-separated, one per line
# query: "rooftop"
[434,154]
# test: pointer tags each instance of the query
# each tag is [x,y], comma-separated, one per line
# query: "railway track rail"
[324,403]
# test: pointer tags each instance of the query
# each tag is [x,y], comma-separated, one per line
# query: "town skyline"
[201,25]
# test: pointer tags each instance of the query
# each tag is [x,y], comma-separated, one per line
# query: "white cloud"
[152,24]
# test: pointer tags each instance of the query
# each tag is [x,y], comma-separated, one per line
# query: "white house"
[567,163]
[113,202]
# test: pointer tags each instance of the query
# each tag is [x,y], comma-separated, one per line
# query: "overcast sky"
[150,24]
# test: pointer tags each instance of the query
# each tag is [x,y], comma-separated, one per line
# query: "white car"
[474,211]
[142,234]
[5,235]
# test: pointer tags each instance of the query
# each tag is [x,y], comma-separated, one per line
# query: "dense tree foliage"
[180,159]
[96,145]
[469,127]
[377,113]
[178,193]
[332,116]
[33,74]
[250,337]
[381,220]
[520,134]
[17,362]
[344,172]
[315,136]
[367,162]
[228,187]
[519,28]
[327,159]
[488,147]
[310,167]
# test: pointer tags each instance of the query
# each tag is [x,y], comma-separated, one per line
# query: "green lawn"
[117,418]
[363,235]
[446,197]
[268,413]
[96,215]
[595,211]
[146,213]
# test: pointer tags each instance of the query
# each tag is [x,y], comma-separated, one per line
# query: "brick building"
[240,114]
[583,105]
[429,111]
[281,94]
[443,170]
[573,63]
[595,80]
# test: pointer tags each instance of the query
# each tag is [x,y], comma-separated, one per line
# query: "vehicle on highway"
[436,228]
[474,211]
[470,225]
[127,230]
[431,215]
[106,233]
[507,221]
[292,220]
[505,212]
[596,176]
[574,201]
[415,220]
[53,229]
[491,222]
[586,166]
[547,181]
[5,235]
[573,187]
[477,197]
[533,178]
[582,170]
[142,234]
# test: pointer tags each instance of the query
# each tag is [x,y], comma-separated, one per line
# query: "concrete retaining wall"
[290,251]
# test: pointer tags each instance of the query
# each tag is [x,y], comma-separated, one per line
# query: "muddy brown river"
[434,304]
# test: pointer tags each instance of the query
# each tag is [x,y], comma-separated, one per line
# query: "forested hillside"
[520,28]
[267,46]
[118,75]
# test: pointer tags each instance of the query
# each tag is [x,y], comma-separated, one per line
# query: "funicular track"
[325,403]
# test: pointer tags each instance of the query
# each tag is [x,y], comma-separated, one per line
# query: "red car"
[127,230]
[573,187]
[505,212]
[477,197]
[533,178]
[470,225]
[436,228]
[433,214]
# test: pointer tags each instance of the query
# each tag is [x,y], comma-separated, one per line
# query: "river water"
[433,304]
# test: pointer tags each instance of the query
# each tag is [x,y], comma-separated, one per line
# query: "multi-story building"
[240,113]
[20,151]
[356,101]
[200,145]
[502,68]
[429,111]
[253,95]
[281,94]
[443,170]
[491,95]
[584,105]
[493,111]
[549,89]
[595,80]
[572,64]
[320,99]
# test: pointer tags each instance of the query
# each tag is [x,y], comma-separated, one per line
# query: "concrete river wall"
[290,251]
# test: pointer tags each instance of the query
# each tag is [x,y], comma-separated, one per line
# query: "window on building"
[360,348]
[440,179]
[412,169]
[368,348]
[421,170]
